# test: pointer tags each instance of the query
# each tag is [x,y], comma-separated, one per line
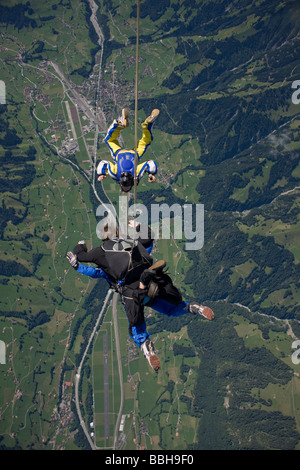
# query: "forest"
[227,365]
[18,16]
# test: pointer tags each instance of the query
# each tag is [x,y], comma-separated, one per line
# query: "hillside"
[223,75]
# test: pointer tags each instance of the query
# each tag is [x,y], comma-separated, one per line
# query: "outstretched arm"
[91,271]
[149,167]
[102,169]
[92,256]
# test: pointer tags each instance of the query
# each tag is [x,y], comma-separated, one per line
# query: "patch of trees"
[39,319]
[17,16]
[36,258]
[10,139]
[231,174]
[18,179]
[153,9]
[14,447]
[207,439]
[47,18]
[164,323]
[12,159]
[37,51]
[226,364]
[80,439]
[186,351]
[15,314]
[12,268]
[6,214]
[84,71]
[16,168]
[172,81]
[261,430]
[32,320]
[39,46]
[232,124]
[147,197]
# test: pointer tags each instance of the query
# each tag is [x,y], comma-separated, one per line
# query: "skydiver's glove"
[72,260]
[82,242]
[79,248]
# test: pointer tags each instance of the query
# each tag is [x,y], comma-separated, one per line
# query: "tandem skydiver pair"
[128,267]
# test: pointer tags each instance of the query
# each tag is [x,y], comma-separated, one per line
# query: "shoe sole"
[158,265]
[125,114]
[208,313]
[152,116]
[154,362]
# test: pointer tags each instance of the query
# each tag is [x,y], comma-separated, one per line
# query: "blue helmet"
[126,169]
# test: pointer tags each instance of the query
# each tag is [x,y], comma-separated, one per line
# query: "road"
[97,116]
[100,122]
[106,387]
[115,320]
[79,99]
[78,373]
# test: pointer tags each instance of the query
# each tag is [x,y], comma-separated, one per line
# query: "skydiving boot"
[160,264]
[123,119]
[147,278]
[198,309]
[152,116]
[148,350]
[148,274]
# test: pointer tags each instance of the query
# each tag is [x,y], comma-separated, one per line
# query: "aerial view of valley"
[225,77]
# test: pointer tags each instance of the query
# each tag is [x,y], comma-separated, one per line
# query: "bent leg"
[134,310]
[146,139]
[147,167]
[164,307]
[111,138]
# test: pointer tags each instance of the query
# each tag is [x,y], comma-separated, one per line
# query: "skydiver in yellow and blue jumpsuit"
[122,169]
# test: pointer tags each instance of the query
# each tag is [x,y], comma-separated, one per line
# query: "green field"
[149,398]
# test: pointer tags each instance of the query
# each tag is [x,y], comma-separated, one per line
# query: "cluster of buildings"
[69,147]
